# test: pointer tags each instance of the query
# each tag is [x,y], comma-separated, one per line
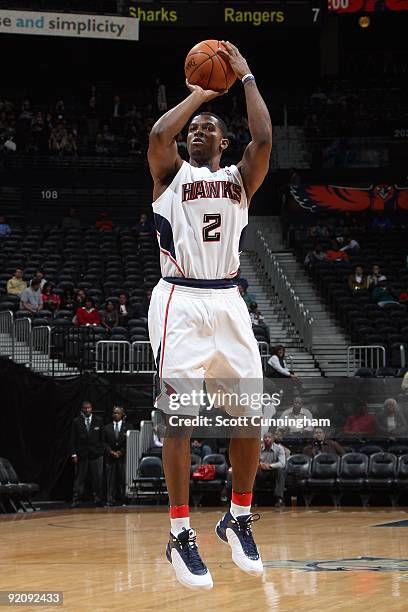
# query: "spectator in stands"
[40,275]
[103,223]
[87,315]
[16,284]
[297,412]
[403,296]
[133,141]
[68,300]
[5,229]
[58,141]
[382,222]
[87,447]
[335,253]
[322,444]
[105,140]
[200,448]
[80,297]
[71,219]
[382,295]
[51,301]
[271,468]
[257,319]
[141,310]
[361,422]
[351,247]
[277,362]
[269,412]
[30,299]
[279,440]
[71,141]
[391,421]
[115,457]
[118,112]
[144,227]
[110,317]
[124,309]
[372,279]
[243,289]
[315,256]
[358,281]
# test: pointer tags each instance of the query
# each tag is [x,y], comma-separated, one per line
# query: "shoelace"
[189,546]
[245,526]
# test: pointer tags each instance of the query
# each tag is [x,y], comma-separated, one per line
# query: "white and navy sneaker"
[237,532]
[182,553]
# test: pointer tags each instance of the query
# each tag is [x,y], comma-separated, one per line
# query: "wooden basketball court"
[114,560]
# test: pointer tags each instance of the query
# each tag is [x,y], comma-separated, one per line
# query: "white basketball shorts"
[206,335]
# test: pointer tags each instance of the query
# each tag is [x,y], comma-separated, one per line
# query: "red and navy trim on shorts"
[221,283]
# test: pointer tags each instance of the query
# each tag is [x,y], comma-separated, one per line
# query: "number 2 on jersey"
[213,221]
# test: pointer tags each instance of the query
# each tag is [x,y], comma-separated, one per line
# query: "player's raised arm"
[255,161]
[163,156]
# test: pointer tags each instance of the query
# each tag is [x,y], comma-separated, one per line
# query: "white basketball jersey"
[200,219]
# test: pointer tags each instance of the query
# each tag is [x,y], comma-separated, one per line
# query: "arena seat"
[370,449]
[385,372]
[401,480]
[19,492]
[199,487]
[365,373]
[323,477]
[353,474]
[150,479]
[297,473]
[398,449]
[195,461]
[8,305]
[381,475]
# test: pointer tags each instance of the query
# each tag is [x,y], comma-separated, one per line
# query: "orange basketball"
[204,67]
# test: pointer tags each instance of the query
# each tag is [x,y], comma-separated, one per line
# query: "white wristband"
[247,77]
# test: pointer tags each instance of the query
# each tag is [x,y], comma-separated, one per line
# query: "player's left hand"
[238,63]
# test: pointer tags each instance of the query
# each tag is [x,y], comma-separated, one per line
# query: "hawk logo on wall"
[351,199]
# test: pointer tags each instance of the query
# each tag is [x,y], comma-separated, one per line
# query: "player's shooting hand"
[206,94]
[233,56]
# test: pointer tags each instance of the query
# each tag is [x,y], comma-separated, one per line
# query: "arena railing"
[143,358]
[6,333]
[359,356]
[299,316]
[113,356]
[24,344]
[22,341]
[40,354]
[132,459]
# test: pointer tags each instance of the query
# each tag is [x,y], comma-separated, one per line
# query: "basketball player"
[199,325]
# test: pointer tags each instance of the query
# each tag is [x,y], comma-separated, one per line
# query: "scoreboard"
[366,6]
[273,14]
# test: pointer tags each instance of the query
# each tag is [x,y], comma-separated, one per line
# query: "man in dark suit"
[87,453]
[115,456]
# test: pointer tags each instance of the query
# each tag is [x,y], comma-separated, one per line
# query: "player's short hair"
[221,123]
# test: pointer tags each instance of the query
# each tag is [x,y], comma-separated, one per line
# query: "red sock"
[179,518]
[241,503]
[179,511]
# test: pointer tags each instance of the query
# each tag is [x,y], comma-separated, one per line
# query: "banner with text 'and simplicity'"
[67,24]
